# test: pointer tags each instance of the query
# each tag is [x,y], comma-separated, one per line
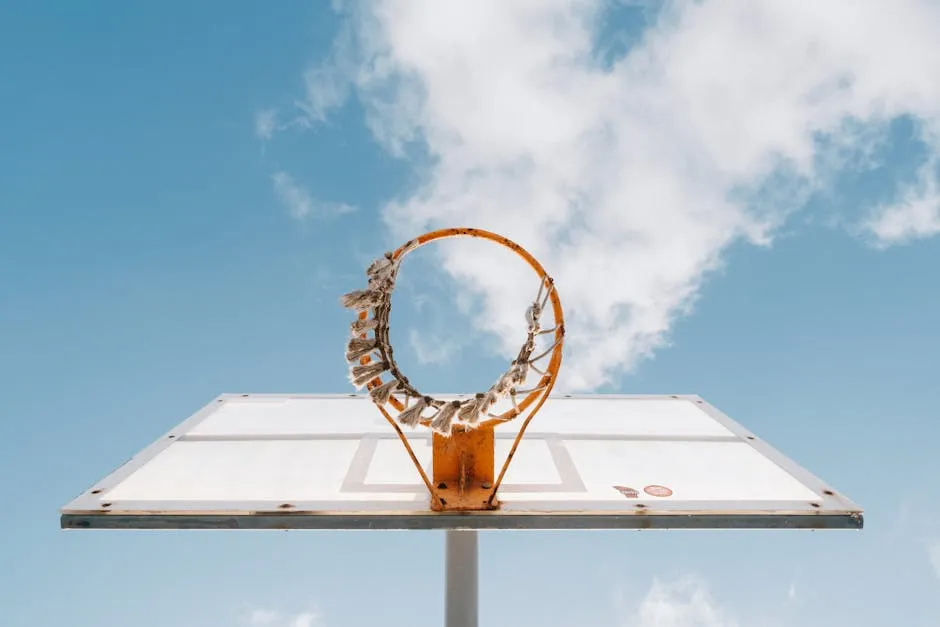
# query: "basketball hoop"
[462,430]
[320,461]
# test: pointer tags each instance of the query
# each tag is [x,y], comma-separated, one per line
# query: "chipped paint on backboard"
[657,490]
[630,493]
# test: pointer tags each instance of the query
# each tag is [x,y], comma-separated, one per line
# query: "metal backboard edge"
[481,521]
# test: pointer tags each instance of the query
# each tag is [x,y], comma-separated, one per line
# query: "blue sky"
[737,200]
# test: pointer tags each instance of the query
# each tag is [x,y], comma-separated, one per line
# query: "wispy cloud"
[272,618]
[433,348]
[326,89]
[262,618]
[933,554]
[630,178]
[265,124]
[328,84]
[915,215]
[683,603]
[304,619]
[298,201]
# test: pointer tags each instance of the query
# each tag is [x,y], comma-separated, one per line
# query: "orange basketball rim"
[463,429]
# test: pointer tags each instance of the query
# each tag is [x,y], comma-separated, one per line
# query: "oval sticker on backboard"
[630,493]
[657,490]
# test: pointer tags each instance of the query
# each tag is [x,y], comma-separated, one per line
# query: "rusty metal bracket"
[463,470]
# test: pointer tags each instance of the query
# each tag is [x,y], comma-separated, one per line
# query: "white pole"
[461,566]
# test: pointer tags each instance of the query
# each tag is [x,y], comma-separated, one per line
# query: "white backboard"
[586,462]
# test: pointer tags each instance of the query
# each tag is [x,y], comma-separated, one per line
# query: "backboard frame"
[832,511]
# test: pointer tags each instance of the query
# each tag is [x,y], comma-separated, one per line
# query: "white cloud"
[432,348]
[326,89]
[265,124]
[272,618]
[304,619]
[298,201]
[262,617]
[915,215]
[684,603]
[933,554]
[629,181]
[328,84]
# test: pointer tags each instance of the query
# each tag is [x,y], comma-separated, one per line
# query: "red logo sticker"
[630,493]
[657,490]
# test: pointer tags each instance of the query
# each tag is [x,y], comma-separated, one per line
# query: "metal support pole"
[461,577]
